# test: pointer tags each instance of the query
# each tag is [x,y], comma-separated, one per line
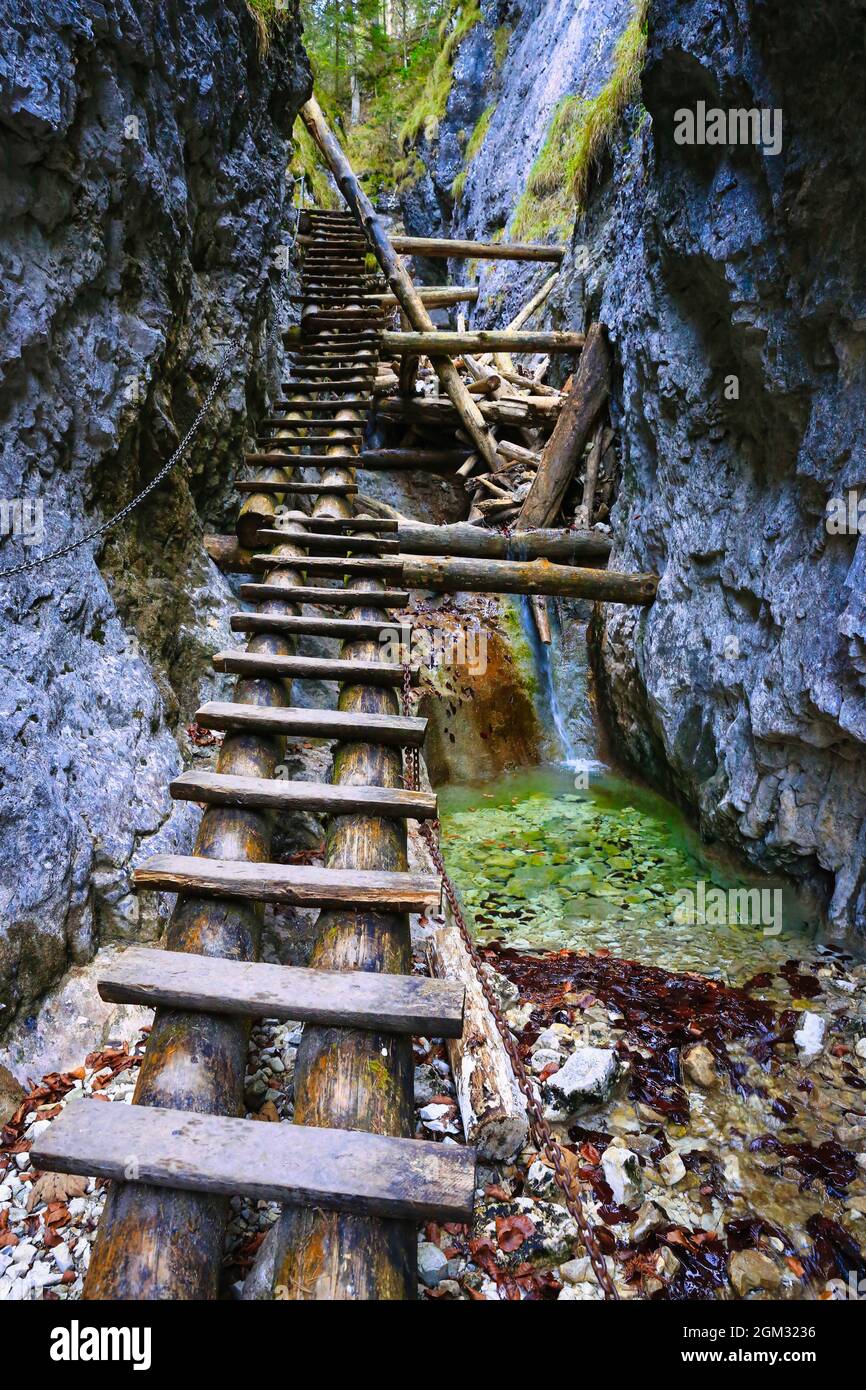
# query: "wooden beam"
[451,576]
[348,999]
[319,668]
[436,296]
[350,726]
[475,250]
[472,542]
[297,885]
[336,597]
[397,275]
[338,1169]
[278,794]
[563,449]
[480,340]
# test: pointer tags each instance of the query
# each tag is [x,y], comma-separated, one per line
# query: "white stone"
[586,1075]
[809,1037]
[62,1256]
[860,1048]
[23,1253]
[543,1058]
[672,1168]
[622,1174]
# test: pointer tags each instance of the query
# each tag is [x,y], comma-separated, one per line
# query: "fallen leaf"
[56,1187]
[512,1231]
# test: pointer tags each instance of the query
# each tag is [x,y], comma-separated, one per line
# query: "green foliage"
[476,140]
[501,40]
[267,15]
[581,131]
[307,161]
[428,109]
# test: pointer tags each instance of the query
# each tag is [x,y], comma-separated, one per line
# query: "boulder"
[586,1077]
[752,1269]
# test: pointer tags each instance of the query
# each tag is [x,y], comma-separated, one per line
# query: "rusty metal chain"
[539,1127]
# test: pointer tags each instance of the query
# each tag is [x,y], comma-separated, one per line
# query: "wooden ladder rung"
[311,489]
[298,885]
[321,668]
[335,598]
[344,1170]
[412,1004]
[347,726]
[361,521]
[360,629]
[328,544]
[390,566]
[276,794]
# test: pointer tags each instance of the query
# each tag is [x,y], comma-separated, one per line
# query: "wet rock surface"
[730,281]
[143,181]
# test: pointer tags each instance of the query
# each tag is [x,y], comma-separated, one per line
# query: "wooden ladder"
[352,1180]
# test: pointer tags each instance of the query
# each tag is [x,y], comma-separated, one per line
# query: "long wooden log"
[474,250]
[397,275]
[562,451]
[480,340]
[492,1109]
[439,414]
[435,296]
[458,539]
[450,576]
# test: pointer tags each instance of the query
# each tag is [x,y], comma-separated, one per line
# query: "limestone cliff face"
[731,281]
[143,192]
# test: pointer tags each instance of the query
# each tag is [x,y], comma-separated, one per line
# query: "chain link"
[145,492]
[539,1127]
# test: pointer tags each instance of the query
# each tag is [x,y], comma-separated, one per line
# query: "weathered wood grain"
[299,885]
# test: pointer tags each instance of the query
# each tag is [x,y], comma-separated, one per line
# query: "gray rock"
[143,186]
[586,1077]
[432,1264]
[622,1174]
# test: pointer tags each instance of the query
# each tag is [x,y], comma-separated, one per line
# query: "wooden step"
[317,407]
[337,435]
[267,489]
[355,370]
[317,668]
[345,726]
[335,597]
[296,1165]
[300,489]
[331,460]
[358,629]
[361,521]
[318,422]
[388,565]
[316,543]
[412,1004]
[276,794]
[297,885]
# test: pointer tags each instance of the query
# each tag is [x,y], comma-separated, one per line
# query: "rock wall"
[143,181]
[731,282]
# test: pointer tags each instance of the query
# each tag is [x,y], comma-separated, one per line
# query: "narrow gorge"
[588,590]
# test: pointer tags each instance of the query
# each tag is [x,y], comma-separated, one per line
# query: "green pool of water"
[542,864]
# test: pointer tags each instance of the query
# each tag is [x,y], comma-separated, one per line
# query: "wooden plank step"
[359,629]
[275,794]
[335,460]
[297,1165]
[345,726]
[336,597]
[353,369]
[314,564]
[361,521]
[298,441]
[316,543]
[319,668]
[413,1004]
[298,885]
[320,406]
[300,489]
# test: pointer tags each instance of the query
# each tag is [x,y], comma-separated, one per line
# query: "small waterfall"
[573,725]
